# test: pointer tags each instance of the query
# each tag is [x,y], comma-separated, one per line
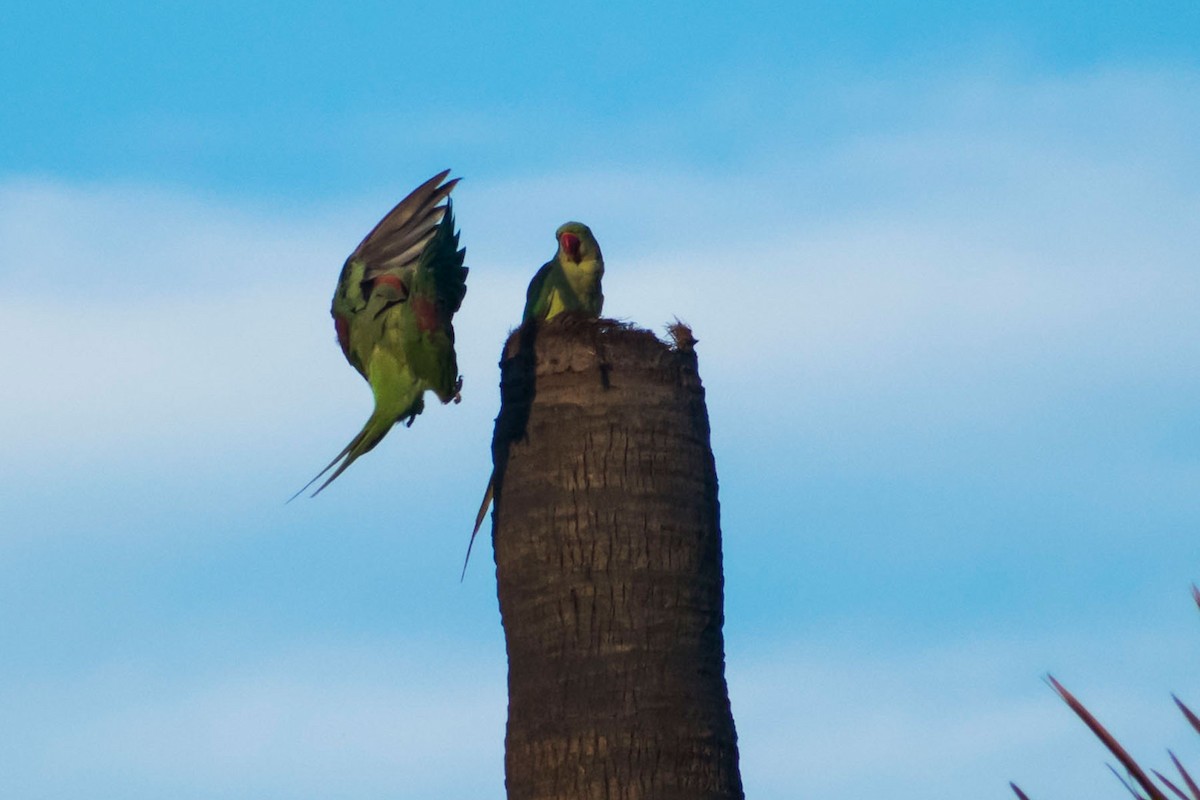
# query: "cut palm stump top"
[608,561]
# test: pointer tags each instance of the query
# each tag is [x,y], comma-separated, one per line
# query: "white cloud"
[962,719]
[356,721]
[380,717]
[868,305]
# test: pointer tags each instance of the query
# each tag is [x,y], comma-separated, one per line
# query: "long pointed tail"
[483,507]
[376,428]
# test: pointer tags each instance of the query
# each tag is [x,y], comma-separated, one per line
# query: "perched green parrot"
[571,280]
[568,282]
[392,311]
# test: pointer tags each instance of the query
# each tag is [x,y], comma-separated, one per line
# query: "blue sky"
[942,265]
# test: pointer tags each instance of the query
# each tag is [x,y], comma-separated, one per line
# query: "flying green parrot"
[392,312]
[568,282]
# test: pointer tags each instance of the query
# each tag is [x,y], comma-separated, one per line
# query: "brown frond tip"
[1187,712]
[1018,791]
[1170,785]
[1192,786]
[681,334]
[1114,747]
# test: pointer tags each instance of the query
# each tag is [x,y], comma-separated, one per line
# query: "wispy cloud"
[969,275]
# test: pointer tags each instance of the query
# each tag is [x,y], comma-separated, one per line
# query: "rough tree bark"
[608,561]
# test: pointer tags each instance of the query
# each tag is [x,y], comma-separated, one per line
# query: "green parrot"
[571,280]
[392,311]
[568,282]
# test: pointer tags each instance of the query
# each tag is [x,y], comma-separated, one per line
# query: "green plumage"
[392,311]
[568,282]
[571,280]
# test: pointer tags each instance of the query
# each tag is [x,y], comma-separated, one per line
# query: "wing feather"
[403,234]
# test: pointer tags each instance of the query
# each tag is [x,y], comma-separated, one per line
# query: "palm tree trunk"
[608,562]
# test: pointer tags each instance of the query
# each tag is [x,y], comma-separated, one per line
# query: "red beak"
[569,243]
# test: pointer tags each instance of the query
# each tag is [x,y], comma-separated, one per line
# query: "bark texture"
[608,562]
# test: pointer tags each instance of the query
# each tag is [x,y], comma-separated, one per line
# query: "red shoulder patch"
[394,283]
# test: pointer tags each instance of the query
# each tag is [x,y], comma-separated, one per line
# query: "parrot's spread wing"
[444,261]
[438,284]
[378,274]
[400,238]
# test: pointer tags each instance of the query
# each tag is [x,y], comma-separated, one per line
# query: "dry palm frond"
[1138,776]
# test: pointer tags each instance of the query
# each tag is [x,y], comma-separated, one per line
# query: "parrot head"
[576,243]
